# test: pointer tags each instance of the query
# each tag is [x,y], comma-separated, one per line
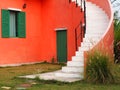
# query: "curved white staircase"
[96,25]
[98,29]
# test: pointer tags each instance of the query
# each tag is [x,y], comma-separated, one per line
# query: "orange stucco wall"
[22,50]
[58,14]
[42,18]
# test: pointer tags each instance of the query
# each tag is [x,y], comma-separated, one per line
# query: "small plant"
[98,68]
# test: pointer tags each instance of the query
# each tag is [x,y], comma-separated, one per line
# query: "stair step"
[100,17]
[97,24]
[79,53]
[91,18]
[78,58]
[91,26]
[92,34]
[84,48]
[100,22]
[75,63]
[68,75]
[94,8]
[91,40]
[73,69]
[95,13]
[87,44]
[95,32]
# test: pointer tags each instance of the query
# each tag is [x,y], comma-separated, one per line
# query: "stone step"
[87,44]
[99,29]
[68,75]
[84,48]
[73,69]
[78,58]
[91,40]
[97,18]
[91,19]
[100,22]
[89,23]
[75,63]
[93,35]
[79,53]
[94,8]
[95,32]
[96,13]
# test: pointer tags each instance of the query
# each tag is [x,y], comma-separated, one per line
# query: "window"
[13,24]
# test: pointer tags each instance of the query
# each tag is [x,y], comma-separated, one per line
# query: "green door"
[62,46]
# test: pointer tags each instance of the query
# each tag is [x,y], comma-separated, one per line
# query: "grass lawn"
[8,78]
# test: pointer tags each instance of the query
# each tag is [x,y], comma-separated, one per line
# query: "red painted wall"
[42,18]
[57,14]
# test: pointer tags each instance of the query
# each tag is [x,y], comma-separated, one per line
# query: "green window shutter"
[21,24]
[5,23]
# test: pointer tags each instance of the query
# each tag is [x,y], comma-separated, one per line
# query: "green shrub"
[98,69]
[117,40]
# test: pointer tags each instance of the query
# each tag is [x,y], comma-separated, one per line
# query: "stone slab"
[50,76]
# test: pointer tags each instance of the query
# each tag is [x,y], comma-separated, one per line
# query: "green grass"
[74,86]
[8,77]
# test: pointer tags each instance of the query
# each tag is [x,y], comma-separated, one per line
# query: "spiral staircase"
[99,21]
[96,24]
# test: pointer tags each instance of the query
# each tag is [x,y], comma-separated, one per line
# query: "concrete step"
[75,63]
[79,53]
[87,44]
[92,34]
[78,58]
[95,17]
[93,8]
[91,40]
[90,30]
[84,48]
[95,13]
[89,23]
[95,20]
[94,31]
[100,22]
[73,69]
[98,29]
[68,75]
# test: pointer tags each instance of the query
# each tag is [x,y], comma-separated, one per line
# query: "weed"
[98,68]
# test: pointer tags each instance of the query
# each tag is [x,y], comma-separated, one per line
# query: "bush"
[117,41]
[98,68]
